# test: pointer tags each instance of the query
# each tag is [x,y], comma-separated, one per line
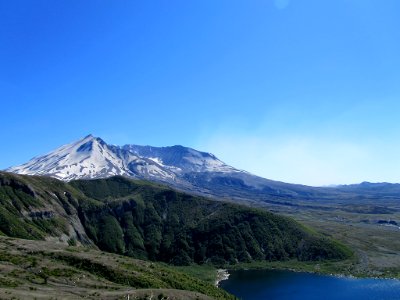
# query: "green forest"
[149,221]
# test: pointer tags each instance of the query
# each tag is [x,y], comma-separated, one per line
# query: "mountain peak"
[91,157]
[89,136]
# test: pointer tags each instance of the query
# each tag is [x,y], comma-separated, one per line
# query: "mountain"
[149,221]
[91,158]
[384,189]
[191,171]
[180,167]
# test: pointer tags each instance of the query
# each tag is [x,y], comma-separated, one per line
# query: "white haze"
[306,160]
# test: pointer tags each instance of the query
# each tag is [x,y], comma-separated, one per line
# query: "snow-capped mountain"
[91,158]
[181,159]
[180,167]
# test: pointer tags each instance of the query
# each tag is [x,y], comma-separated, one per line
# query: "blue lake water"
[285,285]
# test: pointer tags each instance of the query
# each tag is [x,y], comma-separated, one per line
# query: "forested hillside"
[154,222]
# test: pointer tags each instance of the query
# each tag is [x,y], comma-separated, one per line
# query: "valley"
[369,233]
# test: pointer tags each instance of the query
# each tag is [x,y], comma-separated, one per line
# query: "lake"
[285,285]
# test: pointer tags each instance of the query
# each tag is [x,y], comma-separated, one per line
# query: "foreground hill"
[148,221]
[47,270]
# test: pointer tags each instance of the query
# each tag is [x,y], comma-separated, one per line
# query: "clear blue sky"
[303,91]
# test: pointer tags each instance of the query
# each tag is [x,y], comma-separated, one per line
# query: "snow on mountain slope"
[183,168]
[87,158]
[144,167]
[181,159]
[91,158]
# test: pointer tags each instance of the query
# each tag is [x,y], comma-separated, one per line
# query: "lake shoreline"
[222,274]
[317,268]
[286,284]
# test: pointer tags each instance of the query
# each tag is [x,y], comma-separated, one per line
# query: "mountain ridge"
[186,169]
[181,167]
[91,158]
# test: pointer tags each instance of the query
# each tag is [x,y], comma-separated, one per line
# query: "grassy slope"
[45,269]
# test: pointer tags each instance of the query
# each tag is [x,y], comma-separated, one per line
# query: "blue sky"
[303,91]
